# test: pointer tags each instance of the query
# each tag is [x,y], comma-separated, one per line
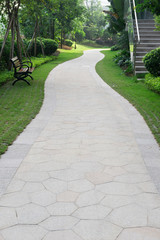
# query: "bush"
[80,35]
[38,50]
[152,62]
[68,42]
[153,83]
[5,56]
[50,46]
[122,58]
[115,48]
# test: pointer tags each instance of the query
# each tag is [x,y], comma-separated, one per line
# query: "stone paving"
[84,169]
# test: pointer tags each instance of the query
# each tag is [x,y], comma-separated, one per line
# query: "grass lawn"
[145,101]
[20,104]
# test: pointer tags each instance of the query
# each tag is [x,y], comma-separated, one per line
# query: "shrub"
[152,62]
[115,48]
[152,82]
[80,35]
[5,56]
[68,42]
[38,50]
[50,46]
[122,58]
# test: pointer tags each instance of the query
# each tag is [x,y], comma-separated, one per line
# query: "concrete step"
[156,41]
[146,20]
[139,63]
[148,45]
[144,49]
[146,25]
[140,72]
[140,54]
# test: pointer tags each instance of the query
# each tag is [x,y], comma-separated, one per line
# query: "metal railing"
[136,21]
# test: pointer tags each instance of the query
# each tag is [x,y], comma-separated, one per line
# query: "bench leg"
[30,76]
[21,79]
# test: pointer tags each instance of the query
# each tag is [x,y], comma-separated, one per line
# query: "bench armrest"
[31,65]
[25,65]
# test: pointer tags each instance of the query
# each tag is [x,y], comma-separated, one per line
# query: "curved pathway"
[87,165]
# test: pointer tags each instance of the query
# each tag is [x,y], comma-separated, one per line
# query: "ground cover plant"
[137,93]
[20,104]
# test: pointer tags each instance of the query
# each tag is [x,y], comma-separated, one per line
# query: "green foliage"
[5,76]
[152,62]
[32,46]
[95,20]
[115,48]
[153,82]
[151,5]
[50,46]
[5,57]
[68,42]
[157,22]
[80,35]
[122,58]
[91,32]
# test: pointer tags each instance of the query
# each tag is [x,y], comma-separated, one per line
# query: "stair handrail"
[136,21]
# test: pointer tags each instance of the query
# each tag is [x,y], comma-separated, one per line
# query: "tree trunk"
[18,37]
[6,35]
[34,34]
[41,41]
[12,42]
[61,38]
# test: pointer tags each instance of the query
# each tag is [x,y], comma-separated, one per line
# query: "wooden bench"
[22,70]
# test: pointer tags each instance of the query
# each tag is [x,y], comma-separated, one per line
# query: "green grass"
[20,104]
[145,101]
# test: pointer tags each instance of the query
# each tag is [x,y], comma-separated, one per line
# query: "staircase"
[149,39]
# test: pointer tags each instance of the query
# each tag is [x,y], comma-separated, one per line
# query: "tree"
[95,20]
[150,5]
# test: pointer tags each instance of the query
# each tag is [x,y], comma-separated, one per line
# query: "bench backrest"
[16,63]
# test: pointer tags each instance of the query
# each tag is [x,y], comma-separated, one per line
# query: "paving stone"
[115,188]
[31,187]
[67,196]
[59,223]
[26,232]
[140,233]
[32,176]
[65,235]
[80,186]
[89,198]
[99,177]
[15,186]
[43,198]
[87,166]
[97,230]
[148,200]
[55,186]
[14,199]
[132,178]
[136,168]
[52,166]
[129,216]
[67,175]
[154,218]
[148,187]
[114,201]
[8,217]
[31,214]
[61,208]
[114,171]
[92,212]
